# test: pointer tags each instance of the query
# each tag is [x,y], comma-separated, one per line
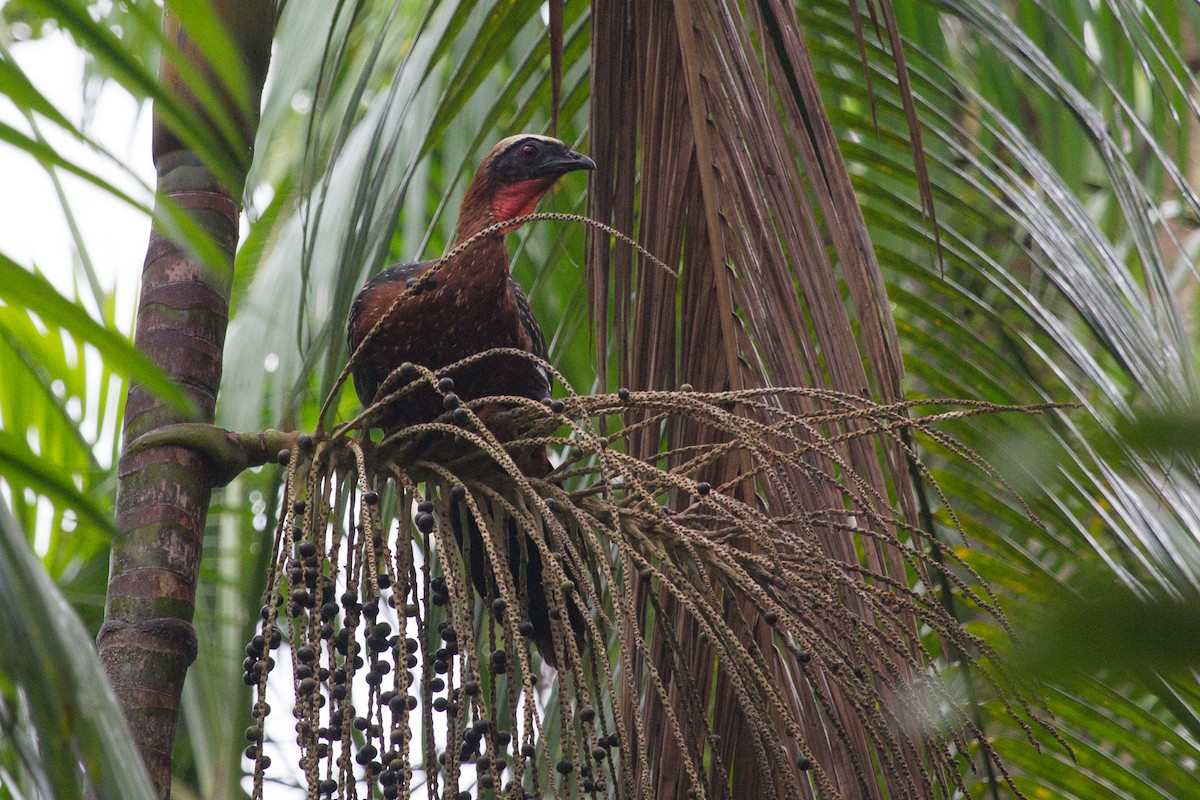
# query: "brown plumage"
[473,306]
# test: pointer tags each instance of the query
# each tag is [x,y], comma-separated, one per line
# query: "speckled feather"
[465,313]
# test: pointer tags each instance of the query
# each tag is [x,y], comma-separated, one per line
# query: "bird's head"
[513,177]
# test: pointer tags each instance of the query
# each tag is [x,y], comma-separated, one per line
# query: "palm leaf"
[34,293]
[72,707]
[1054,173]
[1044,297]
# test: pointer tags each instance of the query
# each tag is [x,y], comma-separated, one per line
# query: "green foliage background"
[1059,139]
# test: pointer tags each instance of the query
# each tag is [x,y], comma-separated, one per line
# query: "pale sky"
[34,231]
[33,225]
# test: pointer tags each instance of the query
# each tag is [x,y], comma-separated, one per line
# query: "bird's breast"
[470,309]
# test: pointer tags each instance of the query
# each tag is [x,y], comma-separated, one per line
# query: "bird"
[474,304]
[471,305]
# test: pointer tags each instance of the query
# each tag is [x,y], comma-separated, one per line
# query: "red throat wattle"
[518,199]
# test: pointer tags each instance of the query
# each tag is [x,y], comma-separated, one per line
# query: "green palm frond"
[83,747]
[1057,145]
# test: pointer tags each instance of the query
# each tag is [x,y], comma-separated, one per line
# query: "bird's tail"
[528,576]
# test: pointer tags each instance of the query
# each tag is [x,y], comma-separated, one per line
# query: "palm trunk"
[147,641]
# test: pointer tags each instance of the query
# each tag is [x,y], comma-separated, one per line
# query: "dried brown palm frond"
[710,132]
[367,582]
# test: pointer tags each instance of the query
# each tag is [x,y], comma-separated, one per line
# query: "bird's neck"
[486,204]
[484,264]
[477,213]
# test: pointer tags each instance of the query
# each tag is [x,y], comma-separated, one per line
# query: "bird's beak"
[569,161]
[583,162]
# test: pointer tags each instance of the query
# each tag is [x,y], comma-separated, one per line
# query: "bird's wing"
[366,382]
[534,330]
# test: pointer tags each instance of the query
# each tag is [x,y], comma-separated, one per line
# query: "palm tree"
[766,145]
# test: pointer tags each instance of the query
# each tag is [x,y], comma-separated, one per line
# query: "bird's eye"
[529,152]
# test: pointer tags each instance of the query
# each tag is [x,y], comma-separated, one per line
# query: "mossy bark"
[147,641]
